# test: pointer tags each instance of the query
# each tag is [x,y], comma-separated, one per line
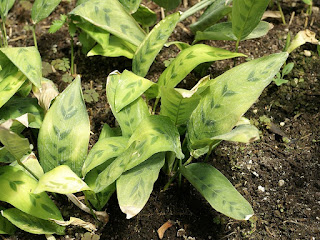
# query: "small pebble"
[181,232]
[261,189]
[282,124]
[307,53]
[281,183]
[255,173]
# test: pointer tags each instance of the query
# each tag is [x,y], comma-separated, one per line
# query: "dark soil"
[278,175]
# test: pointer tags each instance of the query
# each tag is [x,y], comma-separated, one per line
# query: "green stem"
[27,169]
[237,45]
[34,36]
[195,8]
[281,13]
[72,56]
[4,32]
[91,210]
[155,105]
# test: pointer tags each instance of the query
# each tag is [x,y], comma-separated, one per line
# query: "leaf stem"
[4,32]
[281,13]
[72,56]
[34,36]
[155,105]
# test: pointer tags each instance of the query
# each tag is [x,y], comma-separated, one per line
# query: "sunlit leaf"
[47,94]
[130,5]
[31,162]
[5,6]
[301,38]
[217,190]
[6,227]
[100,35]
[42,9]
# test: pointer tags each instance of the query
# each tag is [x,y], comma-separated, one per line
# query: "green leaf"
[130,116]
[100,35]
[241,86]
[64,135]
[152,44]
[5,6]
[6,227]
[105,149]
[130,87]
[217,10]
[32,224]
[145,16]
[108,132]
[309,2]
[117,47]
[178,104]
[246,15]
[168,4]
[130,5]
[287,68]
[223,31]
[27,60]
[57,24]
[17,189]
[135,186]
[154,134]
[6,156]
[217,190]
[31,162]
[111,16]
[188,59]
[61,180]
[42,9]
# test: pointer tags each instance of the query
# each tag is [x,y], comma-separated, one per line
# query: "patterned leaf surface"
[17,189]
[6,227]
[154,134]
[230,95]
[145,16]
[27,60]
[116,48]
[135,186]
[246,15]
[100,35]
[131,116]
[31,162]
[131,5]
[188,59]
[102,151]
[130,87]
[64,135]
[32,224]
[217,190]
[107,132]
[178,104]
[42,9]
[223,31]
[111,16]
[152,44]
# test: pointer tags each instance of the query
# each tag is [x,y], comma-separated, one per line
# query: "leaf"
[100,35]
[65,131]
[246,15]
[301,38]
[188,59]
[47,94]
[57,24]
[130,5]
[287,68]
[41,9]
[223,31]
[309,2]
[108,132]
[241,86]
[106,15]
[217,190]
[105,149]
[17,188]
[168,4]
[27,60]
[6,227]
[152,44]
[130,116]
[216,11]
[130,87]
[5,6]
[32,224]
[31,162]
[6,156]
[117,47]
[145,16]
[154,134]
[77,222]
[135,186]
[61,180]
[178,104]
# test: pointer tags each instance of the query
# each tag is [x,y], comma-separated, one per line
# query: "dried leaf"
[271,14]
[164,228]
[301,38]
[77,222]
[46,93]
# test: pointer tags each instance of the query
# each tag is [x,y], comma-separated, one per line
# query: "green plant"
[279,79]
[5,6]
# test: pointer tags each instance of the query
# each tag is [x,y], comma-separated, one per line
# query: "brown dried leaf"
[46,94]
[164,228]
[271,14]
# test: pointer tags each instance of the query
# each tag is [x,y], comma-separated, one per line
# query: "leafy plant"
[5,6]
[279,79]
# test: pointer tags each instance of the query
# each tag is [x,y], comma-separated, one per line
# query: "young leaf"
[57,24]
[61,141]
[217,190]
[145,16]
[14,182]
[27,60]
[216,113]
[152,44]
[178,104]
[130,116]
[246,15]
[154,134]
[32,224]
[135,186]
[130,87]
[61,180]
[130,5]
[188,59]
[6,227]
[102,151]
[42,9]
[111,16]
[5,6]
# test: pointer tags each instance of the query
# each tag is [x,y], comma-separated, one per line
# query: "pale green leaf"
[65,131]
[6,156]
[152,44]
[32,224]
[17,189]
[5,6]
[135,186]
[130,5]
[100,35]
[112,17]
[31,162]
[108,132]
[246,15]
[57,24]
[217,190]
[42,9]
[6,227]
[61,180]
[145,16]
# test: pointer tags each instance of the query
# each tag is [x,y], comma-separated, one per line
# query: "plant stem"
[195,8]
[281,13]
[72,56]
[237,45]
[34,36]
[155,105]
[4,32]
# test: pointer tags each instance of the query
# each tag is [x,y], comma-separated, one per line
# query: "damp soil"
[279,175]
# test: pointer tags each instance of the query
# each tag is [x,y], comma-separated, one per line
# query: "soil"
[278,175]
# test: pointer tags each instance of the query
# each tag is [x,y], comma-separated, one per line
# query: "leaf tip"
[130,211]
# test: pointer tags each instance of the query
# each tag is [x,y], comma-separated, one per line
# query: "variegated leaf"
[130,5]
[100,35]
[64,135]
[145,16]
[31,162]
[152,44]
[42,9]
[6,227]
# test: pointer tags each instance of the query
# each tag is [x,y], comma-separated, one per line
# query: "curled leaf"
[301,38]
